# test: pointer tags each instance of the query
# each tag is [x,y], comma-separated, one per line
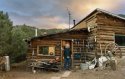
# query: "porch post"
[72,54]
[61,55]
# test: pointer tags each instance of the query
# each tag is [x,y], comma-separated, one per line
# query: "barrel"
[7,63]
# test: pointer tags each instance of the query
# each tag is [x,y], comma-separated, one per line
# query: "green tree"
[12,38]
[5,33]
[20,33]
[19,47]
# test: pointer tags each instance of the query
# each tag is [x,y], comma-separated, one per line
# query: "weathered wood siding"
[54,40]
[92,40]
[38,42]
[80,25]
[107,27]
[89,21]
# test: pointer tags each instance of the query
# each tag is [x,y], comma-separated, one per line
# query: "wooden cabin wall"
[78,49]
[77,38]
[46,42]
[56,40]
[107,27]
[80,25]
[89,21]
[91,52]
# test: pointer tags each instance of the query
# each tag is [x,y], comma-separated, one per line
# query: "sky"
[49,14]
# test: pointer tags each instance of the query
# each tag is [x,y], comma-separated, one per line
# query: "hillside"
[30,31]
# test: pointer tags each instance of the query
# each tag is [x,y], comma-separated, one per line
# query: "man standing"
[67,57]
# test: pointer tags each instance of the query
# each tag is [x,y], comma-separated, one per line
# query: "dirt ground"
[19,72]
[101,74]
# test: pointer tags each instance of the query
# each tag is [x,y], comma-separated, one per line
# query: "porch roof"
[63,32]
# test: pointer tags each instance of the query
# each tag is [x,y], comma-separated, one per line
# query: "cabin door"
[63,44]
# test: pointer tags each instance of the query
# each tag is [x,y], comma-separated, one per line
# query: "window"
[46,50]
[120,40]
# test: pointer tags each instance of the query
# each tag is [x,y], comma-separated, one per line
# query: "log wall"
[88,21]
[36,43]
[107,27]
[92,40]
[54,40]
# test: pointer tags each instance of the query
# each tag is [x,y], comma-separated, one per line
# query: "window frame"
[48,50]
[115,39]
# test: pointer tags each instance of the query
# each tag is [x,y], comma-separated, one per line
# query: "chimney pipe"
[74,22]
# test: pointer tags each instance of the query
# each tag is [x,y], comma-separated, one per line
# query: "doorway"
[63,43]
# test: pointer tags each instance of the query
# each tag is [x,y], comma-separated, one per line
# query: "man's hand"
[63,58]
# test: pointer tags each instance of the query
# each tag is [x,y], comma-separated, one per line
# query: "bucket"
[84,66]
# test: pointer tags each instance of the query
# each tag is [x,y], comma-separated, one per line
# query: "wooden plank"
[55,77]
[66,74]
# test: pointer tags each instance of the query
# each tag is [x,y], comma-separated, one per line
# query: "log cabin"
[89,38]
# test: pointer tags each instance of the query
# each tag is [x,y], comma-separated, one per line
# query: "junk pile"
[45,65]
[104,61]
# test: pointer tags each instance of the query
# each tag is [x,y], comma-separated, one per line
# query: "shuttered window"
[120,40]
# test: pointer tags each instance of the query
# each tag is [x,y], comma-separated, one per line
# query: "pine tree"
[5,33]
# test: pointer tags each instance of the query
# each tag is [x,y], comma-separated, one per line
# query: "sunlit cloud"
[53,13]
[80,8]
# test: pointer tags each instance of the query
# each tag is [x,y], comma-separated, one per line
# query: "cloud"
[40,21]
[53,13]
[80,8]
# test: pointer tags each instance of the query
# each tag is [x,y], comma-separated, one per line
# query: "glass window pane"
[120,40]
[43,50]
[47,50]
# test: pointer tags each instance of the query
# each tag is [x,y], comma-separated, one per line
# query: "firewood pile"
[2,63]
